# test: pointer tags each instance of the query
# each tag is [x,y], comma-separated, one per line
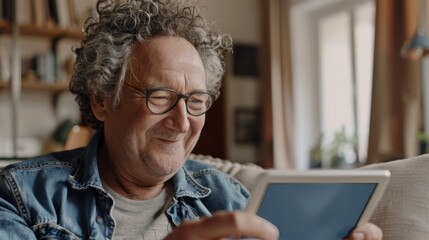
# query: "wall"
[242,20]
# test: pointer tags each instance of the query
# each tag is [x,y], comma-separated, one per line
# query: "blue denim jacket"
[60,196]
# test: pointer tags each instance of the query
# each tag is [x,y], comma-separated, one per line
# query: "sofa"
[402,213]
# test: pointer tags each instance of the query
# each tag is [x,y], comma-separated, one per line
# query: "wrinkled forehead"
[164,58]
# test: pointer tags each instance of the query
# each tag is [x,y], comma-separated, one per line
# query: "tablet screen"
[322,211]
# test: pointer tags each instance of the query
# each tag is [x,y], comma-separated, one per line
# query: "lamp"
[414,48]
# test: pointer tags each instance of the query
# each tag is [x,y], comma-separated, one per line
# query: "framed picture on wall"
[245,60]
[247,126]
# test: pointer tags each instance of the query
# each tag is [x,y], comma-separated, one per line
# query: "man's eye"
[199,98]
[196,101]
[161,97]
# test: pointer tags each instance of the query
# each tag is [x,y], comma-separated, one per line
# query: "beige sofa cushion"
[245,173]
[403,212]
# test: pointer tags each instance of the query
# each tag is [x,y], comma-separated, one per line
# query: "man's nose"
[178,117]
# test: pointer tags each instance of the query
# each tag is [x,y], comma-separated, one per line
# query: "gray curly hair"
[108,40]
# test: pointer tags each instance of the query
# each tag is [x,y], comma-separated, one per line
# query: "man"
[145,75]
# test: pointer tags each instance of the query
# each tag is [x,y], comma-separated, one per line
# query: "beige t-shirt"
[141,219]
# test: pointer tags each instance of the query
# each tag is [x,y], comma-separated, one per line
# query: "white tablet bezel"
[380,177]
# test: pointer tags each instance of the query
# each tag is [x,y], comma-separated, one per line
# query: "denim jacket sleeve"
[37,201]
[12,222]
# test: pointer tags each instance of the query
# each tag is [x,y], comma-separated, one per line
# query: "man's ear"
[99,107]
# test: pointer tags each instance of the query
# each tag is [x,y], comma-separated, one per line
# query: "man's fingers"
[367,231]
[226,224]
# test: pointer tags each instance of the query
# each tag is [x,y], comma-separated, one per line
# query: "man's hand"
[224,225]
[367,231]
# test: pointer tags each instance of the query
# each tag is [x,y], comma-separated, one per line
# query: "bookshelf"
[37,86]
[51,32]
[20,21]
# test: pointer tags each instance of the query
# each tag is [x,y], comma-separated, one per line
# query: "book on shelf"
[44,65]
[73,15]
[7,10]
[39,14]
[53,12]
[24,11]
[63,13]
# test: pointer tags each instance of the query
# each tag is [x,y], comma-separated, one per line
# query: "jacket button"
[99,219]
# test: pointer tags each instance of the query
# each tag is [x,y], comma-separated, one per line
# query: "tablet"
[317,204]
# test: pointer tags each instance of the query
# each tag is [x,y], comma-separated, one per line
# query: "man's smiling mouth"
[166,140]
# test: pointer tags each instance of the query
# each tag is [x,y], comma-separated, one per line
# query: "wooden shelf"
[38,86]
[50,31]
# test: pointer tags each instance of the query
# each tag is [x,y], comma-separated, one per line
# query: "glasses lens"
[160,101]
[199,103]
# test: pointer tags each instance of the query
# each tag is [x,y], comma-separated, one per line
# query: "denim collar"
[87,174]
[186,186]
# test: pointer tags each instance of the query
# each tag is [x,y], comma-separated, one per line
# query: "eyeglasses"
[162,100]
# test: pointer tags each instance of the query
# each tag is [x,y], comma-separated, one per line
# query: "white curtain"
[277,144]
[396,97]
